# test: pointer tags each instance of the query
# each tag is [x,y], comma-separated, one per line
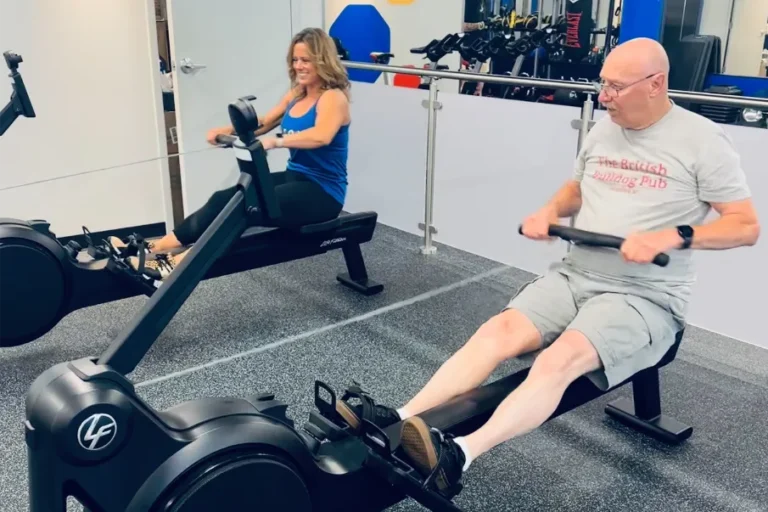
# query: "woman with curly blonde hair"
[314,118]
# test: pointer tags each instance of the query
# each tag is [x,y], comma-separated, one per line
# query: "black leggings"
[302,201]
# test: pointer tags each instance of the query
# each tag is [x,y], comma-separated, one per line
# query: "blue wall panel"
[641,18]
[362,30]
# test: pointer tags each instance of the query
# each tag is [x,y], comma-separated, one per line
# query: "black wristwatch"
[686,233]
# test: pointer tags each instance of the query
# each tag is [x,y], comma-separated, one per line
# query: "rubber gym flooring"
[277,329]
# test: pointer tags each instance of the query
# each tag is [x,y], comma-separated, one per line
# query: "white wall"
[497,161]
[412,25]
[90,68]
[490,177]
[388,154]
[307,13]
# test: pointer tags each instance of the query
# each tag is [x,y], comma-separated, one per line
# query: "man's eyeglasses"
[613,91]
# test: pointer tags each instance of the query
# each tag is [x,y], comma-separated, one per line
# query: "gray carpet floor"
[280,328]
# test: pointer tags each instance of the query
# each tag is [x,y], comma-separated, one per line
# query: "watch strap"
[686,233]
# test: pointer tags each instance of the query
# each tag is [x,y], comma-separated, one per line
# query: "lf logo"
[97,432]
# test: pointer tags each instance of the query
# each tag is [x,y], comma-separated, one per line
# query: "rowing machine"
[90,436]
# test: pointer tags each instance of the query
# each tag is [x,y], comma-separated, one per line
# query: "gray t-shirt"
[652,179]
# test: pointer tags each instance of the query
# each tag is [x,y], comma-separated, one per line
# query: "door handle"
[190,68]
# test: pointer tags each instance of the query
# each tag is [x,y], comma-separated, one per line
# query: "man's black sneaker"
[367,409]
[435,455]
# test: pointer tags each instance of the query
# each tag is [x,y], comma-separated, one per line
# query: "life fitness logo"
[97,432]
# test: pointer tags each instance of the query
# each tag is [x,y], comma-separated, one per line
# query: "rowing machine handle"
[225,140]
[582,237]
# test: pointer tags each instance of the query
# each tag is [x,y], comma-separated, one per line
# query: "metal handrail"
[698,97]
[456,75]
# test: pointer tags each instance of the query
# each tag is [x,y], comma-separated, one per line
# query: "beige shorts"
[630,325]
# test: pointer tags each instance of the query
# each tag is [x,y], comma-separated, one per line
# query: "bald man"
[651,172]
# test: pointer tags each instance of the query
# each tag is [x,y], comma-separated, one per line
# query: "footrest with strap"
[125,272]
[383,460]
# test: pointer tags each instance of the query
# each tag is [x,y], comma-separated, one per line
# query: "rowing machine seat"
[320,227]
[364,219]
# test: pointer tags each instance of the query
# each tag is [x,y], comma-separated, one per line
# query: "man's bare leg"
[506,335]
[534,401]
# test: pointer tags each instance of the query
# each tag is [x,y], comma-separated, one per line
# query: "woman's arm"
[266,123]
[274,116]
[332,114]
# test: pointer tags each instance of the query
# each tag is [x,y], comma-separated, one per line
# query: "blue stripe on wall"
[749,85]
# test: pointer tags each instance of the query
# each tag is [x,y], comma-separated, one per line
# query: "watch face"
[685,231]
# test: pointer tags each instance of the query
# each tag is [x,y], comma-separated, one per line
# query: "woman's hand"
[214,132]
[269,143]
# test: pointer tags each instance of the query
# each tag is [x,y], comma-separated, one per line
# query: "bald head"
[635,77]
[643,55]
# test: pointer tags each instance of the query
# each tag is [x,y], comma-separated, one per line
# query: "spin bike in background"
[434,51]
[382,58]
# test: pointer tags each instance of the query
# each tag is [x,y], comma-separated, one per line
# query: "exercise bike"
[90,436]
[43,279]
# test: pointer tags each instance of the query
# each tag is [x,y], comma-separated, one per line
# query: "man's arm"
[723,184]
[736,226]
[567,201]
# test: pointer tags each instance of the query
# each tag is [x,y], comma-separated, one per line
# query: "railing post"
[587,114]
[432,106]
[585,124]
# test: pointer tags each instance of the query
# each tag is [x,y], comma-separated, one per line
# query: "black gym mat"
[580,461]
[691,60]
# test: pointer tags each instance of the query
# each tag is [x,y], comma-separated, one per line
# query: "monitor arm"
[255,193]
[19,104]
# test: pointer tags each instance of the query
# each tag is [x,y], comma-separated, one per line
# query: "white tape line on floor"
[308,334]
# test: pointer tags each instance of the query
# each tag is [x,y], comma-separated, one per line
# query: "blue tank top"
[325,165]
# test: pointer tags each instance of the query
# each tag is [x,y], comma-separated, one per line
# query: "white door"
[747,37]
[242,45]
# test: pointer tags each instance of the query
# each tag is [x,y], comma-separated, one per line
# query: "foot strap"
[430,481]
[96,252]
[356,391]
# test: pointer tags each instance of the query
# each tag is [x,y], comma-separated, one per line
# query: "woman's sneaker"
[367,409]
[123,249]
[158,267]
